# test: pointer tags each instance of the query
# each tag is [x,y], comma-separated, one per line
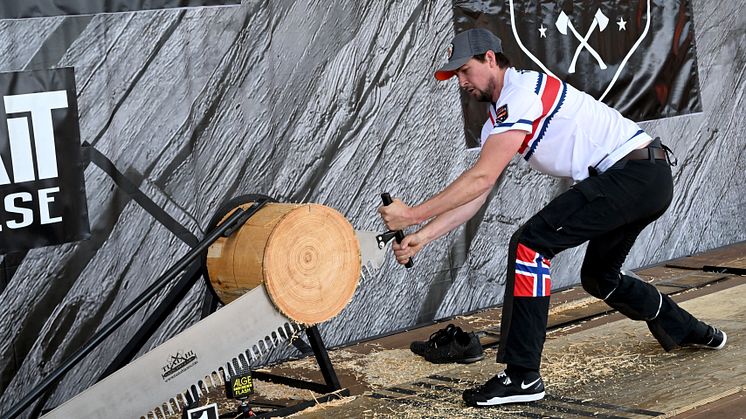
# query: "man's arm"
[494,157]
[439,226]
[449,220]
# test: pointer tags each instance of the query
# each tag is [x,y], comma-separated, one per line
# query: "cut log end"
[306,255]
[312,264]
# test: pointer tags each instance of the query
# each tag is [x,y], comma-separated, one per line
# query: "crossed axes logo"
[600,21]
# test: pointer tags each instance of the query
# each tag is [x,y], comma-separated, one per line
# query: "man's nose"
[461,81]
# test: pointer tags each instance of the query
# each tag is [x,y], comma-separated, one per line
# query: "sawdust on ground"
[382,368]
[589,359]
[579,362]
[322,407]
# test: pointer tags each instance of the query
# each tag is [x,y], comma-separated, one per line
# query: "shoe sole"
[714,348]
[470,360]
[457,361]
[523,398]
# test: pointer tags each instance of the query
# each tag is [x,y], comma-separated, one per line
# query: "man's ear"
[491,59]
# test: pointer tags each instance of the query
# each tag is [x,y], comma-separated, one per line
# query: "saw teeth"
[196,391]
[242,362]
[215,376]
[173,407]
[368,271]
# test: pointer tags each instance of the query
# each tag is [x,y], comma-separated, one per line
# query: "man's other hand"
[408,247]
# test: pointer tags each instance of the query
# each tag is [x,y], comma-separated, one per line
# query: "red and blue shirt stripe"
[552,92]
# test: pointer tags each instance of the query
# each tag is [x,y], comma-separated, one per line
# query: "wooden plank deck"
[614,370]
[597,363]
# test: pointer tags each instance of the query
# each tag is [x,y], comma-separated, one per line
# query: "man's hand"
[397,215]
[408,247]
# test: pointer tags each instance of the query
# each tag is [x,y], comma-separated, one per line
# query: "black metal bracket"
[331,382]
[724,270]
[385,238]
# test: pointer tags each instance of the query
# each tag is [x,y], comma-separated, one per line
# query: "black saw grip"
[399,234]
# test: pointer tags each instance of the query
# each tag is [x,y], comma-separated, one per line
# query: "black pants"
[609,211]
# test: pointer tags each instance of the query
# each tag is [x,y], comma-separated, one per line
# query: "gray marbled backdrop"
[316,102]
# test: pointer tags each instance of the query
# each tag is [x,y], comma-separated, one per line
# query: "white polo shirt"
[566,130]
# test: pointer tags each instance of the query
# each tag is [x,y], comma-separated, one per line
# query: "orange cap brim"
[444,75]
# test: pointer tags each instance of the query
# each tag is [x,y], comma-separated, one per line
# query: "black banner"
[42,190]
[637,56]
[42,8]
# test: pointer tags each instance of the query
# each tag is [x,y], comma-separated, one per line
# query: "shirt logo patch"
[501,114]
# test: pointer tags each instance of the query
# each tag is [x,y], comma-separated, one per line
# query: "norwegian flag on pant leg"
[532,277]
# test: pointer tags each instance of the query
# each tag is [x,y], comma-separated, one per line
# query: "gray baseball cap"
[466,45]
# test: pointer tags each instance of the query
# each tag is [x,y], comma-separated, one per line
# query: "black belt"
[654,151]
[645,154]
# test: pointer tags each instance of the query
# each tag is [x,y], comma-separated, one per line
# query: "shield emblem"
[593,41]
[637,56]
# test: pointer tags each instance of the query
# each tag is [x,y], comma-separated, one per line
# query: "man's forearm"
[448,221]
[463,191]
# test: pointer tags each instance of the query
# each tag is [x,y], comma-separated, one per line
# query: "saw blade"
[372,254]
[157,383]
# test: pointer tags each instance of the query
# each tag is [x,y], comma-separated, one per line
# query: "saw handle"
[399,234]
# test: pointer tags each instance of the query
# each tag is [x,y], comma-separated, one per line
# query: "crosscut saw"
[201,357]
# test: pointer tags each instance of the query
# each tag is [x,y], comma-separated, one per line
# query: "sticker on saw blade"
[241,386]
[178,363]
[209,411]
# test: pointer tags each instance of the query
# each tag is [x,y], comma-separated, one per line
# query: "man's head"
[474,57]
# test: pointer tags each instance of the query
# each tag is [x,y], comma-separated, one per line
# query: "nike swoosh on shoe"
[525,386]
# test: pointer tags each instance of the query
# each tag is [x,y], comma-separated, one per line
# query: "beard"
[483,95]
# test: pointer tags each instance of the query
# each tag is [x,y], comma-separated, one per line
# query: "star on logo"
[622,24]
[542,31]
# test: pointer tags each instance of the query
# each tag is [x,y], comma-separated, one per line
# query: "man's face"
[475,78]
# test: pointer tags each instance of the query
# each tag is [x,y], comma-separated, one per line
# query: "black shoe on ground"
[440,338]
[500,389]
[463,348]
[713,339]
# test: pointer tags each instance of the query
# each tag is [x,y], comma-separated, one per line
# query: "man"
[623,184]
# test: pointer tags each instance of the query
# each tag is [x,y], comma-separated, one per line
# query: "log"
[305,255]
